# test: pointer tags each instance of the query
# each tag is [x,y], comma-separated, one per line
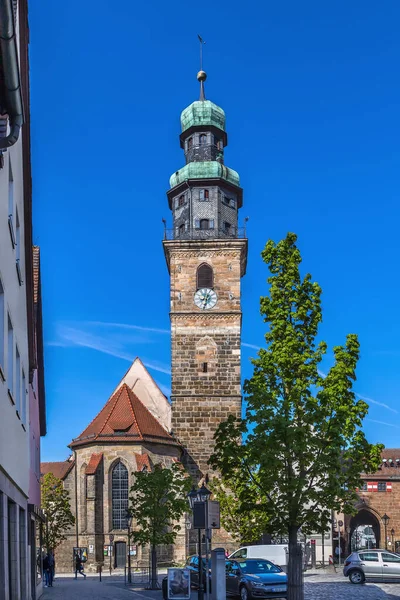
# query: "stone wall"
[206,386]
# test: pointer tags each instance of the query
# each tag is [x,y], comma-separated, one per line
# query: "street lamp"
[392,532]
[196,497]
[385,520]
[129,519]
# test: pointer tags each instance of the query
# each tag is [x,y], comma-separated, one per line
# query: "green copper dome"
[202,112]
[204,170]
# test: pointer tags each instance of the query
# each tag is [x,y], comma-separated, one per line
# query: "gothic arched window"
[203,139]
[205,276]
[120,492]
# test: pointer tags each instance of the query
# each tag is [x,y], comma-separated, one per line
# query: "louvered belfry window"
[120,492]
[205,276]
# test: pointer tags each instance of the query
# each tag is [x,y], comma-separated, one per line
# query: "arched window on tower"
[205,276]
[120,492]
[203,139]
[190,143]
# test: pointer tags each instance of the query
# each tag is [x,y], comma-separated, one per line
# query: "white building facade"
[17,345]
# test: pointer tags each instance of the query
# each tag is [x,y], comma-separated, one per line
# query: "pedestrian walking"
[79,566]
[47,570]
[52,566]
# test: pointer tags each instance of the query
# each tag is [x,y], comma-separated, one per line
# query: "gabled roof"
[146,389]
[124,418]
[59,469]
[94,462]
[143,462]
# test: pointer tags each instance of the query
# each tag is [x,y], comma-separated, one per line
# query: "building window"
[17,382]
[381,486]
[203,139]
[205,367]
[204,195]
[2,332]
[205,276]
[227,227]
[229,201]
[181,200]
[120,493]
[23,398]
[204,224]
[181,228]
[11,203]
[10,358]
[218,142]
[190,143]
[364,487]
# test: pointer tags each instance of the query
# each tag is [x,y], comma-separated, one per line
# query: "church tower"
[206,253]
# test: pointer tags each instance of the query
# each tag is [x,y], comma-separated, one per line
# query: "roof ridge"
[131,405]
[112,410]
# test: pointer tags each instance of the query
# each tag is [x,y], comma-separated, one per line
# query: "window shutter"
[186,226]
[389,486]
[211,224]
[201,194]
[197,223]
[176,231]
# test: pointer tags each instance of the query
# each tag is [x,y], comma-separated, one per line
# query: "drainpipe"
[12,83]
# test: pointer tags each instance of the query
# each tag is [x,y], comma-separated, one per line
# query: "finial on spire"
[201,75]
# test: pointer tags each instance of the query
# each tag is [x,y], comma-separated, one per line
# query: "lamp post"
[129,523]
[385,520]
[392,532]
[196,497]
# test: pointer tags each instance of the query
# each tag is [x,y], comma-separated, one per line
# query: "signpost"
[111,541]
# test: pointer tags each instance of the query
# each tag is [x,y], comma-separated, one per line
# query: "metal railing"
[205,234]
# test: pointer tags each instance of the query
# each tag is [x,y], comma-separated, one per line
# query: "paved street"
[324,586]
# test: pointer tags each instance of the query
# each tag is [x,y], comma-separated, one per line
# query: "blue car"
[255,578]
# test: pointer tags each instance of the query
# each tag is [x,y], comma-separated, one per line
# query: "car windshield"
[256,567]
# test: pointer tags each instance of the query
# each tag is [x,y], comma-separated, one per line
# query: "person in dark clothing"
[79,566]
[48,571]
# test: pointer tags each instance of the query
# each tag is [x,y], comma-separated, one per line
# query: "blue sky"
[311,92]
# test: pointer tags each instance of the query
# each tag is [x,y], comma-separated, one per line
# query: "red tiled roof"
[94,462]
[124,418]
[143,461]
[59,469]
[387,469]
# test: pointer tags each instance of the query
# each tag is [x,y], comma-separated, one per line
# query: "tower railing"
[205,234]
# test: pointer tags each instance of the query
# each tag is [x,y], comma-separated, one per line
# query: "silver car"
[374,564]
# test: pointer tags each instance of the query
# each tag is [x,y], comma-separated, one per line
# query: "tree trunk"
[295,567]
[154,578]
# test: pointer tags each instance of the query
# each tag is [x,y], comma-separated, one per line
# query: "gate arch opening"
[365,531]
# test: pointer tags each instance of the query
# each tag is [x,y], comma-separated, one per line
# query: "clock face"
[205,298]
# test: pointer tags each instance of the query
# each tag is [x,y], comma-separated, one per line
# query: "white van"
[276,553]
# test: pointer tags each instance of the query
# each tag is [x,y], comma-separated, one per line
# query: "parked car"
[375,564]
[276,553]
[255,578]
[192,563]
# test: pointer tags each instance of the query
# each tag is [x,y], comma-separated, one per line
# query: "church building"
[206,255]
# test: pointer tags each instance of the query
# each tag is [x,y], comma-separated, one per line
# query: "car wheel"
[244,593]
[357,576]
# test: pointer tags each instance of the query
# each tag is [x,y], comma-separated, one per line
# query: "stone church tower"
[206,253]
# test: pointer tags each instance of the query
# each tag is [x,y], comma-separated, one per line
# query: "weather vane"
[201,51]
[201,75]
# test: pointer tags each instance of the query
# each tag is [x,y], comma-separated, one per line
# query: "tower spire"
[201,75]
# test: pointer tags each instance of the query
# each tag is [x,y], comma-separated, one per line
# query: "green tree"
[242,513]
[300,448]
[158,500]
[57,508]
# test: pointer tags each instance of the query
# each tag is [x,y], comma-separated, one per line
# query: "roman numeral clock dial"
[205,298]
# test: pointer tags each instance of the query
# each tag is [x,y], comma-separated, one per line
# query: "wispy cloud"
[70,336]
[383,423]
[382,404]
[246,345]
[127,326]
